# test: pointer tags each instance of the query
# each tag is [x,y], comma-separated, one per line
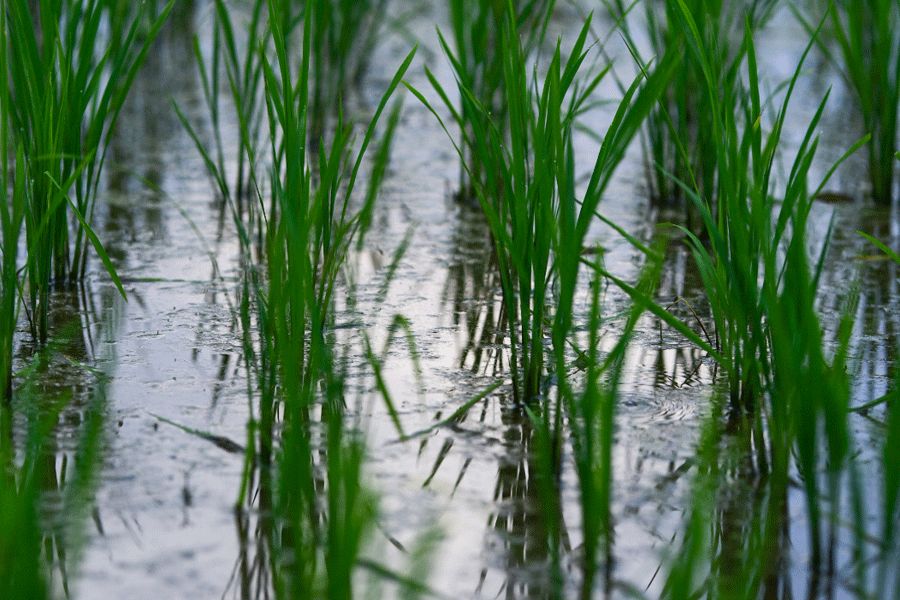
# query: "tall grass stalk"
[12,212]
[67,84]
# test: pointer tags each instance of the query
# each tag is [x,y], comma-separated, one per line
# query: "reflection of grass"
[21,571]
[44,503]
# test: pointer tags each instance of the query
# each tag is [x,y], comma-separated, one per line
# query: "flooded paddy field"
[152,435]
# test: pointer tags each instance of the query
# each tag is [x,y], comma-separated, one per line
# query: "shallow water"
[164,521]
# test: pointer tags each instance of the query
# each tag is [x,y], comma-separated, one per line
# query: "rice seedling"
[476,29]
[792,398]
[867,36]
[344,35]
[65,99]
[528,196]
[539,224]
[314,511]
[787,410]
[678,136]
[732,548]
[243,71]
[741,267]
[12,209]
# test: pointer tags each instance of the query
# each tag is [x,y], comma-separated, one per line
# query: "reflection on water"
[517,535]
[877,335]
[141,146]
[471,293]
[251,574]
[516,539]
[55,429]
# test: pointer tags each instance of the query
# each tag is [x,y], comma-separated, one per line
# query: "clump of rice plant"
[345,33]
[678,135]
[314,510]
[539,221]
[70,67]
[732,547]
[746,225]
[867,35]
[789,394]
[480,50]
[243,71]
[538,224]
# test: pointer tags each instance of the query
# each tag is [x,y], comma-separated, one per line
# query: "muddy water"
[164,523]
